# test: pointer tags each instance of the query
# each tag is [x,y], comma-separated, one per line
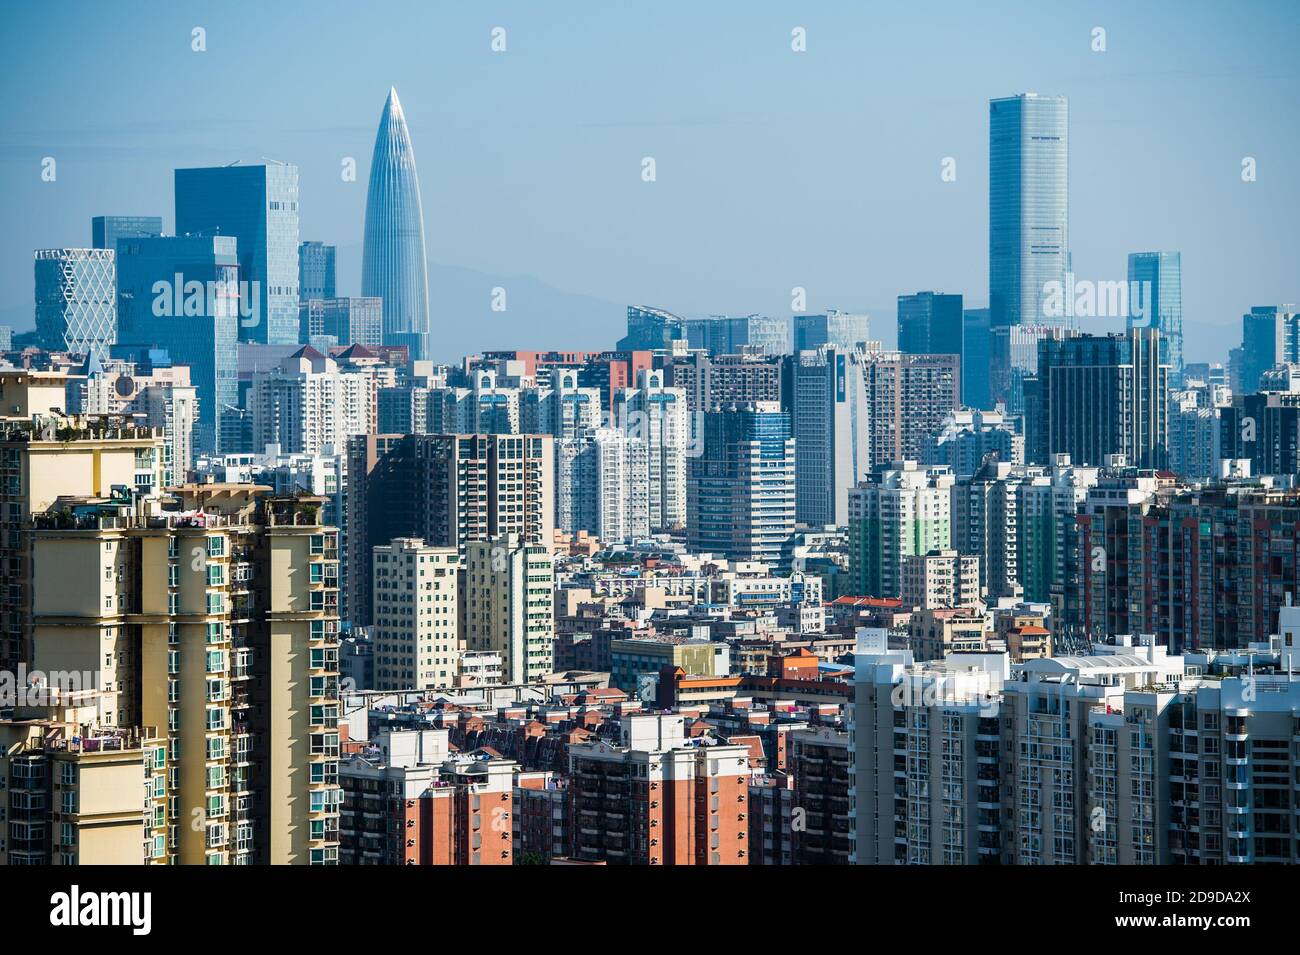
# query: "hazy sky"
[774,168]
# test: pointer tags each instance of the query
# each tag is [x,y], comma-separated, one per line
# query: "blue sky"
[774,168]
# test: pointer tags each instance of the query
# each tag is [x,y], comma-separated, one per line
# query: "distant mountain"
[536,315]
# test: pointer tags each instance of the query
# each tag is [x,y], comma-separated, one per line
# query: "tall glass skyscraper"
[180,293]
[393,264]
[75,307]
[1158,278]
[106,230]
[1029,218]
[257,205]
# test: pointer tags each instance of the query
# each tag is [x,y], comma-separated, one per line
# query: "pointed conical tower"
[393,265]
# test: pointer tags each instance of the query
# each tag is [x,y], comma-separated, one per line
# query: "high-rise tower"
[393,264]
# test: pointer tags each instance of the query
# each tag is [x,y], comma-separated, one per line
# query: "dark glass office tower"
[977,352]
[1157,277]
[393,265]
[930,324]
[258,206]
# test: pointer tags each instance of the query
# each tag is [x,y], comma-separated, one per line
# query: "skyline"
[532,171]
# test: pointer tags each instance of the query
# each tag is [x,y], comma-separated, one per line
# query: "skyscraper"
[1029,213]
[393,263]
[975,357]
[106,230]
[75,307]
[831,431]
[1158,278]
[258,205]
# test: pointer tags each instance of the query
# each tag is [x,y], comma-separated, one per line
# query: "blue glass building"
[976,354]
[258,206]
[180,293]
[393,264]
[1158,278]
[930,324]
[726,335]
[839,330]
[1029,218]
[106,230]
[315,271]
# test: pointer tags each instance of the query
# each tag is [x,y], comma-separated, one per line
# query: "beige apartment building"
[416,629]
[507,605]
[72,789]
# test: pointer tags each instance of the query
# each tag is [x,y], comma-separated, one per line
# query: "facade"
[976,356]
[393,261]
[1096,396]
[967,438]
[408,800]
[830,415]
[180,294]
[727,335]
[258,207]
[72,790]
[658,798]
[76,307]
[1201,569]
[941,578]
[307,403]
[834,329]
[1263,429]
[741,493]
[507,605]
[316,271]
[656,414]
[243,692]
[1270,335]
[931,323]
[416,630]
[447,490]
[602,485]
[106,230]
[161,394]
[901,510]
[326,322]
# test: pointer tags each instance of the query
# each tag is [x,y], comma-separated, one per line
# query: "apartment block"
[659,797]
[507,605]
[416,630]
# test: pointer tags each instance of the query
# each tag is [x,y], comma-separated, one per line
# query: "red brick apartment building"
[658,797]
